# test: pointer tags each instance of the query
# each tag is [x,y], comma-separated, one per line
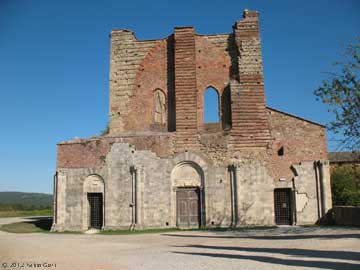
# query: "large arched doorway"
[188,184]
[93,202]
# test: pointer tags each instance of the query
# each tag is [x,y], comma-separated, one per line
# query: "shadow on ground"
[43,223]
[287,262]
[272,237]
[298,255]
[306,253]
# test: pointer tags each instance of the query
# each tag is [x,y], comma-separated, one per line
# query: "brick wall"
[249,119]
[185,89]
[92,153]
[301,140]
[126,55]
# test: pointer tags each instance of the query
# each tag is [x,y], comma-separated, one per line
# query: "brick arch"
[151,74]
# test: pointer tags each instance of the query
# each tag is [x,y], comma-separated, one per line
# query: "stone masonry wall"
[249,137]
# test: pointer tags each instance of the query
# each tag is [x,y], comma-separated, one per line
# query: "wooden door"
[188,208]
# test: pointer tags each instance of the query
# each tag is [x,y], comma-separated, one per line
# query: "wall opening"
[93,202]
[211,106]
[281,151]
[211,109]
[226,108]
[283,206]
[96,210]
[188,197]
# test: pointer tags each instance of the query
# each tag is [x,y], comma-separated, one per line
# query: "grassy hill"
[37,200]
[14,204]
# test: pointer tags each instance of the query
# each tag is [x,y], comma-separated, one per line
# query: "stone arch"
[187,174]
[93,183]
[188,170]
[190,157]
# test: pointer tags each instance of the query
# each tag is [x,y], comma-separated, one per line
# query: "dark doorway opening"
[96,210]
[188,207]
[282,203]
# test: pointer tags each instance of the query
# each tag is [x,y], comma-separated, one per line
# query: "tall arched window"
[159,107]
[211,106]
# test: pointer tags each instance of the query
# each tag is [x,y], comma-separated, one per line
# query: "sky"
[54,65]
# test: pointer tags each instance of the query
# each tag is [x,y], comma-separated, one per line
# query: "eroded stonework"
[161,165]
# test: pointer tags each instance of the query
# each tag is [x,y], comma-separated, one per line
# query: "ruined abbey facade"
[161,165]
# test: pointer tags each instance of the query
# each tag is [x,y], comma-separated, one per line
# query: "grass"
[14,213]
[165,230]
[43,225]
[125,232]
[36,225]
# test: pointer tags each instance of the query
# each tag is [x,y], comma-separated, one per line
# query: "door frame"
[101,207]
[201,205]
[290,196]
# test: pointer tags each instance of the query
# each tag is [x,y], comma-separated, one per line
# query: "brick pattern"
[249,119]
[213,65]
[91,153]
[301,140]
[126,54]
[151,74]
[185,89]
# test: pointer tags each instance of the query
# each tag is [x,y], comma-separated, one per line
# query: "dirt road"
[280,248]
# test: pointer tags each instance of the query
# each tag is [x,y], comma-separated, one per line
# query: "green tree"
[345,186]
[342,93]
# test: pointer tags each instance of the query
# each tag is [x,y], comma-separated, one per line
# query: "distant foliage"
[345,186]
[24,201]
[342,93]
[22,207]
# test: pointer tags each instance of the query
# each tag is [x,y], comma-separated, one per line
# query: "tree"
[342,93]
[345,187]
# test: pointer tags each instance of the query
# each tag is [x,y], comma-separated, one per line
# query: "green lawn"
[34,226]
[124,232]
[15,213]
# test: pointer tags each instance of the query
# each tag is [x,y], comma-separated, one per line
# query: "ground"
[275,248]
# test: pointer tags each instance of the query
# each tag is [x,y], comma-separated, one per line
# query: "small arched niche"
[159,107]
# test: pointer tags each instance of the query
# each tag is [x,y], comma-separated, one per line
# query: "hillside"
[36,200]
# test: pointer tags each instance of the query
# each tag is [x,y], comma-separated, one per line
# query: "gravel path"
[280,248]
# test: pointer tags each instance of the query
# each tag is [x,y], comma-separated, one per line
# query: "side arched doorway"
[188,185]
[93,202]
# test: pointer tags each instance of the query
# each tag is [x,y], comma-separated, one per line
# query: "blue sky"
[54,65]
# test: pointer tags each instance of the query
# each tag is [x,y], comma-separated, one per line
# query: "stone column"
[325,187]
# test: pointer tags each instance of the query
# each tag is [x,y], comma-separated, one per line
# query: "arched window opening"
[211,106]
[159,107]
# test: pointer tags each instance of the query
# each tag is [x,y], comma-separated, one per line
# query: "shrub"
[345,186]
